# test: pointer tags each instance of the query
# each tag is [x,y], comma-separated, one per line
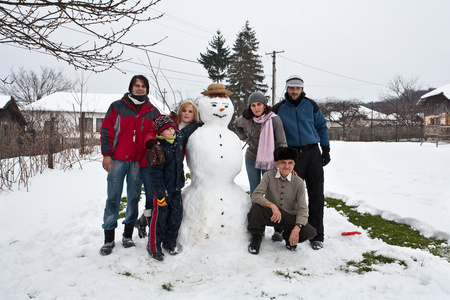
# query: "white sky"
[344,49]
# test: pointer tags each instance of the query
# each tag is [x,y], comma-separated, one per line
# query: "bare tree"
[28,86]
[39,25]
[342,112]
[401,102]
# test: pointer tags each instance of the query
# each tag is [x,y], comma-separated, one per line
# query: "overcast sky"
[343,49]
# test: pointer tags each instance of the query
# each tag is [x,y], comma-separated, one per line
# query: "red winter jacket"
[125,132]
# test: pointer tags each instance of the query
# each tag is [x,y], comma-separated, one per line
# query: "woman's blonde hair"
[183,106]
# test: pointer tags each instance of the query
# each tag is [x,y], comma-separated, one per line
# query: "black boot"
[107,247]
[277,235]
[127,238]
[255,243]
[141,226]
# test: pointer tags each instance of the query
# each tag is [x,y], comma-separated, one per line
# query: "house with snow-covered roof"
[68,107]
[436,108]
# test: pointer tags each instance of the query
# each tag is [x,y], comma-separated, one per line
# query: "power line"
[335,74]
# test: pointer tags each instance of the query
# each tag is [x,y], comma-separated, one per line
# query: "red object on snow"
[351,233]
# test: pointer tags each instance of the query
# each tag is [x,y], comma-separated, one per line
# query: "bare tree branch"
[28,86]
[39,25]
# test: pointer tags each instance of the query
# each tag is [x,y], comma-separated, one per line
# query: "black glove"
[325,155]
[150,144]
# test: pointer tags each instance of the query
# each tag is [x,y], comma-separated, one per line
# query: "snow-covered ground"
[50,237]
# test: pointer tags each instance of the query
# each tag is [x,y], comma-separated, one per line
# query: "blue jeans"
[116,176]
[145,177]
[254,175]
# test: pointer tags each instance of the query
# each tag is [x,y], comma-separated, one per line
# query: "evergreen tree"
[216,60]
[246,71]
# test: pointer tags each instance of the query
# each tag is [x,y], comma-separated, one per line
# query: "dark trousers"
[165,223]
[309,167]
[259,217]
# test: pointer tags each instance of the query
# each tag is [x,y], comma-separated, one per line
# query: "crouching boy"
[280,201]
[167,180]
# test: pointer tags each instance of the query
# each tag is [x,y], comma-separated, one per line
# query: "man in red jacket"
[127,128]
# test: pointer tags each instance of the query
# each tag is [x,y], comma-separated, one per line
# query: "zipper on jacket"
[298,127]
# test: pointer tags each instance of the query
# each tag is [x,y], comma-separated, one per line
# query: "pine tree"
[216,61]
[246,71]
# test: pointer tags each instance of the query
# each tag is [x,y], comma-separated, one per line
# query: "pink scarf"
[264,157]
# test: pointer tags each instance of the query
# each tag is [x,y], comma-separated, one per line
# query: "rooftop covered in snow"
[444,90]
[89,102]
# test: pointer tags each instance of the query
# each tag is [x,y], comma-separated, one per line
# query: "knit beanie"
[163,122]
[285,153]
[257,97]
[294,81]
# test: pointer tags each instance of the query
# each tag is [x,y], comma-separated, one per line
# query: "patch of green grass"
[281,273]
[390,232]
[122,207]
[128,274]
[168,286]
[370,259]
[301,273]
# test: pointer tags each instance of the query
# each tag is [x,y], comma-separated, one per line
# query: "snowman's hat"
[216,88]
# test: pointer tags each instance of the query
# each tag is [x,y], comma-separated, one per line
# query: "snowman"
[215,207]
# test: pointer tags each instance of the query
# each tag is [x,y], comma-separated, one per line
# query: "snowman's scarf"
[264,157]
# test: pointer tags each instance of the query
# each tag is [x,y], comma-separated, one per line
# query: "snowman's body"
[214,205]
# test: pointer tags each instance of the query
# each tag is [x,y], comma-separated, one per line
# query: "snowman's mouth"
[216,115]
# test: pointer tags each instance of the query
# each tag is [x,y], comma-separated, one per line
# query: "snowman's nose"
[222,109]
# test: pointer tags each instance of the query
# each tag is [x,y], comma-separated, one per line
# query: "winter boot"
[255,243]
[158,255]
[289,247]
[316,245]
[171,250]
[277,237]
[127,237]
[107,247]
[141,226]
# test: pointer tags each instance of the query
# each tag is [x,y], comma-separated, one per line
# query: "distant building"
[68,107]
[12,120]
[436,106]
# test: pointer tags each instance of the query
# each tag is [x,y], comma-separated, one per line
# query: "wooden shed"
[11,118]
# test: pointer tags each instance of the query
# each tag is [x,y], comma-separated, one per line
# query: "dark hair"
[140,77]
[248,113]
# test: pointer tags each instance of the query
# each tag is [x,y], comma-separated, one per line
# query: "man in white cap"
[306,128]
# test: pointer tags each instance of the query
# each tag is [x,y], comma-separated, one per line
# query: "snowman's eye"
[214,105]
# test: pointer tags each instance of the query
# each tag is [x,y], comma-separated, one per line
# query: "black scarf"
[295,102]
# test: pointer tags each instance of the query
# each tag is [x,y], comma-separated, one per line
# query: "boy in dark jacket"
[167,180]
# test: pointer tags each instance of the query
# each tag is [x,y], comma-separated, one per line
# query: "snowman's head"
[216,110]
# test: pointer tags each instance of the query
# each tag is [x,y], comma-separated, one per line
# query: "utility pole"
[274,70]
